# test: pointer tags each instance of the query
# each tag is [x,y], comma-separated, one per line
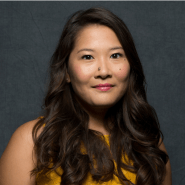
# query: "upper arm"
[18,158]
[168,177]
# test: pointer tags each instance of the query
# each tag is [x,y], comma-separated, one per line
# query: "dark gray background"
[29,32]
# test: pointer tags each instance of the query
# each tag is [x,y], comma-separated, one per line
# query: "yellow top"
[52,178]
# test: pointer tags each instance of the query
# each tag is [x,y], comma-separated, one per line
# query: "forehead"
[96,35]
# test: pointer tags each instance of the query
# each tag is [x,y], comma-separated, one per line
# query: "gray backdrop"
[29,32]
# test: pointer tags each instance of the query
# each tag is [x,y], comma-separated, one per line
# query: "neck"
[96,117]
[96,120]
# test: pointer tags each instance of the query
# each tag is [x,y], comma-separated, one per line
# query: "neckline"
[106,135]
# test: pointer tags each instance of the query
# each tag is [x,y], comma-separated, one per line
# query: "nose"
[103,70]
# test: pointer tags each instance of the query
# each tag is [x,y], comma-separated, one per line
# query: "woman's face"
[98,68]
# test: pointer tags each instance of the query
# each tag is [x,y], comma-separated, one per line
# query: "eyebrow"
[87,49]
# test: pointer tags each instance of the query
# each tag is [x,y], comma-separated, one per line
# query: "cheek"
[122,73]
[79,74]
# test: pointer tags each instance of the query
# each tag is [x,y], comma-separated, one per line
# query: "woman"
[97,124]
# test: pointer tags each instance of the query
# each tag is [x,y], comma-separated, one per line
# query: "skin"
[98,46]
[18,158]
[168,177]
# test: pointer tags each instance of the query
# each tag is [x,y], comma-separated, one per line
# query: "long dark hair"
[133,124]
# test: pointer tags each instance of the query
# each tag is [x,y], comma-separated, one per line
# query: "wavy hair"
[133,123]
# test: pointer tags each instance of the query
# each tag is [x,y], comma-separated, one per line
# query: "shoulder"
[18,158]
[161,145]
[168,177]
[23,134]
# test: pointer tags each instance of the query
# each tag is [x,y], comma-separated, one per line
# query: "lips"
[104,87]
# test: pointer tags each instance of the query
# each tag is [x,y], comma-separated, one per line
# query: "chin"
[104,104]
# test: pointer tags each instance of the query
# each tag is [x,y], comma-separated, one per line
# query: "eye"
[116,55]
[87,57]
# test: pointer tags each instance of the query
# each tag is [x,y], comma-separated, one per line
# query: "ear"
[68,79]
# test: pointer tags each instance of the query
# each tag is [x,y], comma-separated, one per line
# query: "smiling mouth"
[104,87]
